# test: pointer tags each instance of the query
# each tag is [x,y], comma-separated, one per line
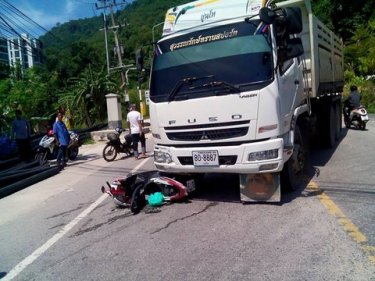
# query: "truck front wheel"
[292,175]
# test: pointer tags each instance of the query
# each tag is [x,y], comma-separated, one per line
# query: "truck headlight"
[162,157]
[156,136]
[263,155]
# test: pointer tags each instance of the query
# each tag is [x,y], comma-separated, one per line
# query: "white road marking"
[38,252]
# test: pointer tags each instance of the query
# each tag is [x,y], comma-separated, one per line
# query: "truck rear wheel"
[329,122]
[292,175]
[338,120]
[332,127]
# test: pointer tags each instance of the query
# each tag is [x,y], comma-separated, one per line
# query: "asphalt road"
[65,229]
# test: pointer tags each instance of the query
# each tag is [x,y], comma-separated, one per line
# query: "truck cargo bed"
[323,52]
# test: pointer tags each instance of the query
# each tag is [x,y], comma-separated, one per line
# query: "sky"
[49,12]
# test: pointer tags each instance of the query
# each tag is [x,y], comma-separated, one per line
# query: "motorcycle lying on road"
[114,145]
[47,149]
[357,117]
[133,190]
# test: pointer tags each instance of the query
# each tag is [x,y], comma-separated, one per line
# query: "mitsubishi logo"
[204,136]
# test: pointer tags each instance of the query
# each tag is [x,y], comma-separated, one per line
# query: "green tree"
[87,95]
[360,52]
[73,48]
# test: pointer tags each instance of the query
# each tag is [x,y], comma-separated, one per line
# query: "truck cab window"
[212,52]
[285,66]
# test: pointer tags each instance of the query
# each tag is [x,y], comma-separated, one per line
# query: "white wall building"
[24,51]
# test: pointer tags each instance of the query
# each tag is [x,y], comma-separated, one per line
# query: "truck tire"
[293,173]
[332,126]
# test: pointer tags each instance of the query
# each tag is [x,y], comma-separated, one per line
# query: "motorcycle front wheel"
[347,123]
[73,152]
[41,157]
[109,153]
[121,201]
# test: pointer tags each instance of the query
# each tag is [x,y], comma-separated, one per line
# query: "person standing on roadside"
[66,118]
[135,119]
[21,132]
[62,139]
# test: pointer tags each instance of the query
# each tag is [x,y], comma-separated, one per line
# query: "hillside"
[343,16]
[65,41]
[74,71]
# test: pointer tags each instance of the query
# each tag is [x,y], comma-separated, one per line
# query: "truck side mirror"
[293,49]
[288,19]
[139,59]
[293,18]
[267,15]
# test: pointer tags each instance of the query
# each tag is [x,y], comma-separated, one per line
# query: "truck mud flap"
[260,187]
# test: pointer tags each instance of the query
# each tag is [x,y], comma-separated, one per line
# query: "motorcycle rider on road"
[353,101]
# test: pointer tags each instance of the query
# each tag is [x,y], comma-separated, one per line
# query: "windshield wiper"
[213,84]
[183,82]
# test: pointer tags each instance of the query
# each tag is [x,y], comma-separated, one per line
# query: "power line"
[15,24]
[23,16]
[26,21]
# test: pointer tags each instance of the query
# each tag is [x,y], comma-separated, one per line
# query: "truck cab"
[228,86]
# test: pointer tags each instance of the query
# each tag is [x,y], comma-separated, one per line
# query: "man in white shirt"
[135,119]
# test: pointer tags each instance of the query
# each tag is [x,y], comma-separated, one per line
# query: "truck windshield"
[224,55]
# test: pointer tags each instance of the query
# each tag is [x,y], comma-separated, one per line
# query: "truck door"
[289,84]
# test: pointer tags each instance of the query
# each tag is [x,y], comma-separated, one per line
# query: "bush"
[365,87]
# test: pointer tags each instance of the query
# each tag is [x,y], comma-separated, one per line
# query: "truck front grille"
[223,160]
[208,134]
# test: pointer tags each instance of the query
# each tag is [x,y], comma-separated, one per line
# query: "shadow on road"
[84,159]
[318,157]
[225,187]
[219,187]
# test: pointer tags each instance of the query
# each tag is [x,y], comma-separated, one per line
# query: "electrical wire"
[22,22]
[22,15]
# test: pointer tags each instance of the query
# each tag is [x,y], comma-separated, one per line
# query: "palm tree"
[89,90]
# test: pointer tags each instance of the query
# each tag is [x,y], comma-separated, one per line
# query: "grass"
[88,140]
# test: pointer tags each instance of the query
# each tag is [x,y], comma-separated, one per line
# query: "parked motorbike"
[357,117]
[115,146]
[132,191]
[47,149]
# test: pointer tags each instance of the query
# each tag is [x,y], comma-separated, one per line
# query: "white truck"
[240,87]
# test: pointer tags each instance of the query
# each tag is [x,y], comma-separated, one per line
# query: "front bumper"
[233,159]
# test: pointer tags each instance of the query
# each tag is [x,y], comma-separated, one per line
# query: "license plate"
[364,118]
[206,158]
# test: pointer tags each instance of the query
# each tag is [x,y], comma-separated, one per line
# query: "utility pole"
[110,4]
[106,40]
